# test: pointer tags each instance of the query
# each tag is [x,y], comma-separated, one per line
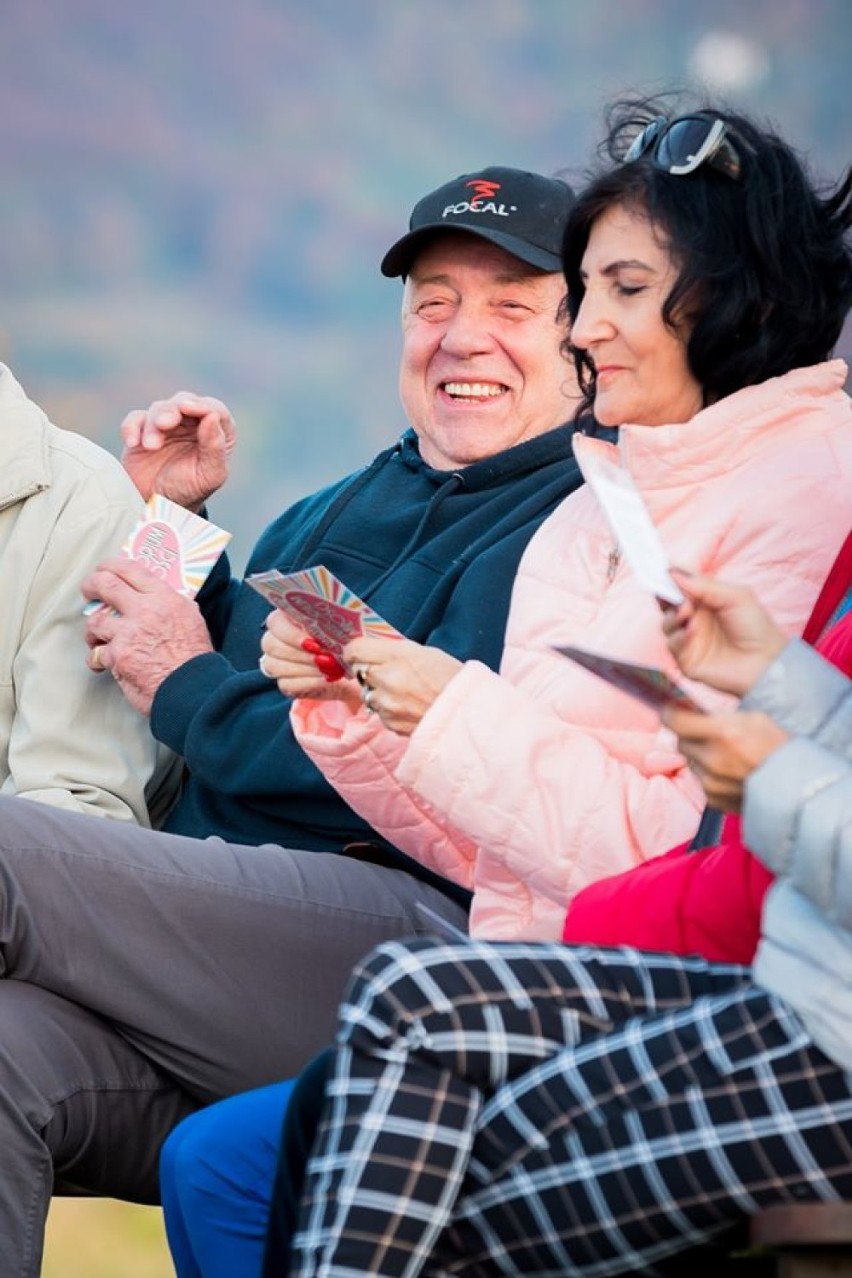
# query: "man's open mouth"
[474,390]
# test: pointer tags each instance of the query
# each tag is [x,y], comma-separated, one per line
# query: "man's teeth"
[474,390]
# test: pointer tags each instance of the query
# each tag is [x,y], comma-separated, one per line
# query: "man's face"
[481,367]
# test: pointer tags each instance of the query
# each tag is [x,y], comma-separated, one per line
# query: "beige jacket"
[67,736]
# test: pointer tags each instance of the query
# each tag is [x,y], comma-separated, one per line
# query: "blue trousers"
[217,1171]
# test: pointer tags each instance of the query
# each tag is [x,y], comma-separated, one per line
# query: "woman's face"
[641,371]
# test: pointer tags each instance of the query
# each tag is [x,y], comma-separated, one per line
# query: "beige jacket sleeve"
[67,736]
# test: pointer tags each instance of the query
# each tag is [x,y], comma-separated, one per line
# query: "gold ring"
[96,661]
[362,674]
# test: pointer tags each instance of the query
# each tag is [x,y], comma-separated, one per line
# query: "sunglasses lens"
[644,140]
[687,143]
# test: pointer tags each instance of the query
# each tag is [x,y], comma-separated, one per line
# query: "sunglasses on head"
[682,145]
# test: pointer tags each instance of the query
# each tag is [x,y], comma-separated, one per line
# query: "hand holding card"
[174,544]
[321,605]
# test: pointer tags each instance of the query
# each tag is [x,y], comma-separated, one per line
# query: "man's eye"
[434,306]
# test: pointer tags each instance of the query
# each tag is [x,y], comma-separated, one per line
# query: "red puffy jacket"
[706,902]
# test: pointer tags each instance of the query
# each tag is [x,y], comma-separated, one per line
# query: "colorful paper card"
[648,683]
[177,545]
[174,544]
[321,605]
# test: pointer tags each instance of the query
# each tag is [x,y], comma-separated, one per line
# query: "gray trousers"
[148,974]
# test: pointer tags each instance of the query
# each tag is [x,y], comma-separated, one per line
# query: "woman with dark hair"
[525,787]
[762,280]
[531,1109]
[708,282]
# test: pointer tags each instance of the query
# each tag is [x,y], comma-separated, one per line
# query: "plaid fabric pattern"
[541,1109]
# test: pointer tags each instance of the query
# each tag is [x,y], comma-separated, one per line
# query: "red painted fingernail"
[329,665]
[311,645]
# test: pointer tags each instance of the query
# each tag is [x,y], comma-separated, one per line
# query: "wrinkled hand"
[179,447]
[721,635]
[401,679]
[145,631]
[723,749]
[300,666]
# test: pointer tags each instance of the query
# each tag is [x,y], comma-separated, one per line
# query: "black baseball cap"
[523,213]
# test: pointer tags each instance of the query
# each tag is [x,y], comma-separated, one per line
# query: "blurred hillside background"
[196,195]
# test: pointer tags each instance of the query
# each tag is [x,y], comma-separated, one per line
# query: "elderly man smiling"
[171,968]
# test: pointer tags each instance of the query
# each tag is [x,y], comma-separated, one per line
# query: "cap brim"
[397,261]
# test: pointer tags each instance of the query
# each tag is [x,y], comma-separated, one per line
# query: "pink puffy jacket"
[528,785]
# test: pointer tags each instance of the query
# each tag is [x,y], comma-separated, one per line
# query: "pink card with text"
[321,605]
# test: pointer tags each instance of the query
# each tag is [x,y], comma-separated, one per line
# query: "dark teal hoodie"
[434,552]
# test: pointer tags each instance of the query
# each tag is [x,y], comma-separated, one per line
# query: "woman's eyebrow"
[622,264]
[627,263]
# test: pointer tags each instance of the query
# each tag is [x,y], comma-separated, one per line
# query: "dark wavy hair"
[765,261]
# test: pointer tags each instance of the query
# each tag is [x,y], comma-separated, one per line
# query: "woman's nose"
[590,323]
